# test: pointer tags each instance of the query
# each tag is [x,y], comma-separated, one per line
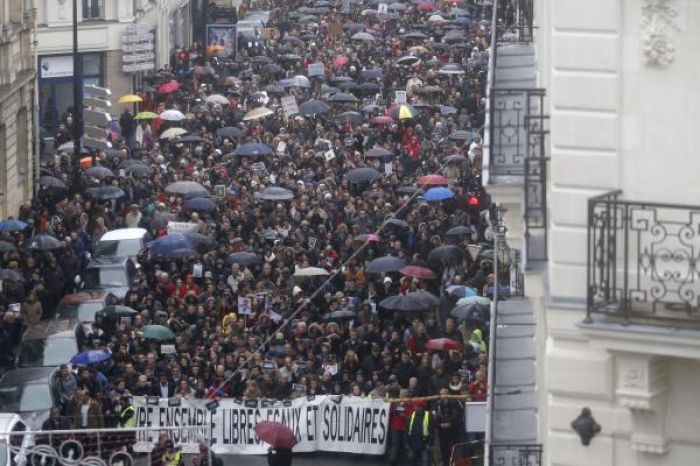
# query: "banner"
[320,423]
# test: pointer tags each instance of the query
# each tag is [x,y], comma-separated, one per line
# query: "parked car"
[121,243]
[84,305]
[28,393]
[50,343]
[109,274]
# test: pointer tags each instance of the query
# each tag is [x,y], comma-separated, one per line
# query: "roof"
[124,233]
[27,375]
[84,297]
[59,328]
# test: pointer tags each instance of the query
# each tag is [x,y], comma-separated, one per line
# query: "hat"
[388,280]
[208,275]
[296,291]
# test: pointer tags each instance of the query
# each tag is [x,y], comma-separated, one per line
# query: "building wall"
[618,121]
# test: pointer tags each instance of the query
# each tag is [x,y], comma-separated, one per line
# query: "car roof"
[84,297]
[59,328]
[107,262]
[124,233]
[27,375]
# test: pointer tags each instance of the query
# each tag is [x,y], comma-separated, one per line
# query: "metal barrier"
[99,447]
[516,455]
[467,454]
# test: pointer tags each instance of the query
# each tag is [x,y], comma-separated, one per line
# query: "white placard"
[245,306]
[182,227]
[167,349]
[399,97]
[289,105]
[329,155]
[382,8]
[316,69]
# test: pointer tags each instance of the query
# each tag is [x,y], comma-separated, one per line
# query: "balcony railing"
[643,261]
[516,455]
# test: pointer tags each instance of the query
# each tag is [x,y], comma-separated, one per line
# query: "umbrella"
[290,57]
[199,204]
[426,6]
[310,272]
[129,99]
[459,230]
[414,35]
[451,69]
[341,60]
[474,308]
[432,180]
[181,253]
[418,271]
[230,132]
[11,275]
[12,225]
[43,243]
[438,194]
[404,302]
[363,37]
[407,60]
[52,182]
[217,99]
[456,158]
[348,85]
[462,135]
[385,264]
[156,332]
[172,133]
[244,258]
[138,169]
[172,115]
[301,81]
[447,110]
[192,139]
[369,87]
[272,68]
[397,222]
[276,434]
[7,246]
[99,172]
[362,175]
[185,187]
[377,152]
[353,118]
[105,192]
[90,357]
[443,344]
[461,291]
[369,238]
[340,315]
[314,107]
[253,149]
[371,74]
[397,7]
[199,239]
[275,193]
[112,311]
[169,87]
[257,114]
[436,18]
[168,243]
[343,98]
[425,297]
[145,116]
[403,112]
[446,253]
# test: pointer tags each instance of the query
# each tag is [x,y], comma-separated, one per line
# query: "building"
[17,76]
[609,226]
[100,43]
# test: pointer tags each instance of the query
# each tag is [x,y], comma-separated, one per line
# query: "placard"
[289,105]
[167,349]
[400,97]
[182,227]
[382,8]
[220,191]
[245,306]
[317,69]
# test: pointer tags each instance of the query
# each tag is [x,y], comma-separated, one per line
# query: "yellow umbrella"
[258,113]
[145,116]
[129,99]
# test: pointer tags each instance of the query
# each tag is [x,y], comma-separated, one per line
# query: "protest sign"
[316,69]
[245,306]
[320,423]
[399,97]
[289,105]
[382,8]
[182,227]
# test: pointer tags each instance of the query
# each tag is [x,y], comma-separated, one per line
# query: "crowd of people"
[355,162]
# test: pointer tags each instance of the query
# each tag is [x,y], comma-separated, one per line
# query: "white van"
[121,243]
[11,433]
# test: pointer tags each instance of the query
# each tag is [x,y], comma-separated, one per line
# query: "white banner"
[321,423]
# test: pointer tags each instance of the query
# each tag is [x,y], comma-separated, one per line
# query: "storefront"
[56,83]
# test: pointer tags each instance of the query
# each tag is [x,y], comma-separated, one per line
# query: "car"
[121,243]
[50,343]
[111,274]
[84,305]
[29,393]
[14,432]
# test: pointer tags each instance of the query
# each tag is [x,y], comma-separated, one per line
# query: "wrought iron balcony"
[643,261]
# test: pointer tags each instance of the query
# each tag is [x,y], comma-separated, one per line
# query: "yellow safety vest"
[131,422]
[176,461]
[426,423]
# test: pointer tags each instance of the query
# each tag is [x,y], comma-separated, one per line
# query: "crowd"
[354,168]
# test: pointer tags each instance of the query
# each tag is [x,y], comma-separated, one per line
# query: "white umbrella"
[451,69]
[363,36]
[436,19]
[217,99]
[173,132]
[301,81]
[258,113]
[172,115]
[310,272]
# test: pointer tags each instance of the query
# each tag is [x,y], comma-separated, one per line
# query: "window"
[22,145]
[92,9]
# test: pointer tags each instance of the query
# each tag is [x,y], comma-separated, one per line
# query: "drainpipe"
[35,117]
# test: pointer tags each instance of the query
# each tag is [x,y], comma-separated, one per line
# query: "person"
[207,457]
[447,416]
[171,456]
[66,385]
[55,421]
[127,415]
[279,457]
[398,420]
[420,435]
[31,309]
[127,125]
[86,413]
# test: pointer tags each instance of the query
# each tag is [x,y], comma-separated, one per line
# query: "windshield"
[118,248]
[105,277]
[84,312]
[47,352]
[23,398]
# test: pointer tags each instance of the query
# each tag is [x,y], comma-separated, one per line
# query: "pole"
[37,132]
[77,85]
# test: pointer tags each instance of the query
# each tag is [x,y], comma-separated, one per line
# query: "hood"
[476,335]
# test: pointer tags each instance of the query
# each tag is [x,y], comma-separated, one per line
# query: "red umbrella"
[432,180]
[369,238]
[418,271]
[276,434]
[426,6]
[169,87]
[442,344]
[382,120]
[341,60]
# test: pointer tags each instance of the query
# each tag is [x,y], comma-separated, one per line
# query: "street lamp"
[77,85]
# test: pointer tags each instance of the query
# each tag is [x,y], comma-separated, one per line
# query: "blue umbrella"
[371,74]
[438,194]
[165,244]
[252,149]
[200,204]
[90,357]
[461,291]
[12,225]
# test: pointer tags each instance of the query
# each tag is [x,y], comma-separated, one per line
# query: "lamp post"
[77,85]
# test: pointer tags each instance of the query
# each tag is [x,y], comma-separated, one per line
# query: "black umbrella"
[43,243]
[362,175]
[343,98]
[369,87]
[275,193]
[244,258]
[200,204]
[353,118]
[104,193]
[426,297]
[377,152]
[264,59]
[476,308]
[99,172]
[272,68]
[342,314]
[371,74]
[181,253]
[385,264]
[191,139]
[7,247]
[445,253]
[199,239]
[137,169]
[348,86]
[230,132]
[314,107]
[397,222]
[185,187]
[456,158]
[52,182]
[414,35]
[408,60]
[404,302]
[459,230]
[11,275]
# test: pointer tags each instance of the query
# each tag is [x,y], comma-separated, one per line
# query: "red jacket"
[400,414]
